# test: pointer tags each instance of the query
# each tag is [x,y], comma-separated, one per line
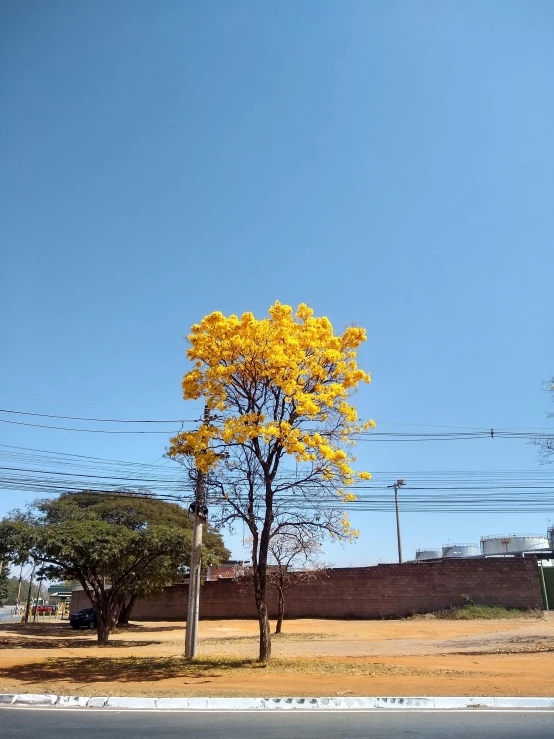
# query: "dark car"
[85,618]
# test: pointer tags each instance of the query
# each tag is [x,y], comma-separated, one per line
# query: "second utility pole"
[28,605]
[193,606]
[396,485]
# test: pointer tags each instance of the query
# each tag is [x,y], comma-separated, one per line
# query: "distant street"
[5,614]
[18,723]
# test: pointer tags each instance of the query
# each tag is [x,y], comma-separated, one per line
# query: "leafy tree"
[12,588]
[3,582]
[4,572]
[293,559]
[115,545]
[277,389]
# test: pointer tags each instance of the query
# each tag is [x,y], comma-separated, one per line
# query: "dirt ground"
[313,657]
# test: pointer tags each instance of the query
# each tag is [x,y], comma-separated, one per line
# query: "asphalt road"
[16,723]
[5,615]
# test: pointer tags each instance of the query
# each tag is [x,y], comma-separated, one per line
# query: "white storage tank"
[430,553]
[513,544]
[461,550]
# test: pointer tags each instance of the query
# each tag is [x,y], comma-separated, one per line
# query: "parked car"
[85,618]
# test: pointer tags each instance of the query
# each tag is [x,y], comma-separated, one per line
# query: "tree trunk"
[106,618]
[280,613]
[103,631]
[265,634]
[259,562]
[126,611]
[107,606]
[263,619]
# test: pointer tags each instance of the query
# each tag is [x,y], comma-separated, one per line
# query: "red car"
[43,610]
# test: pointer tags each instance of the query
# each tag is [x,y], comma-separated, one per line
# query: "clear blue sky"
[389,163]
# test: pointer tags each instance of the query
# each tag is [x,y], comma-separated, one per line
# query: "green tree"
[4,572]
[115,545]
[4,580]
[12,588]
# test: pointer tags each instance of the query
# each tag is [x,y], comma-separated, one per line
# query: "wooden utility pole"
[37,599]
[397,485]
[19,587]
[193,606]
[28,606]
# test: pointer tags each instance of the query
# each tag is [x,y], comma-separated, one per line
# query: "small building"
[60,593]
[229,570]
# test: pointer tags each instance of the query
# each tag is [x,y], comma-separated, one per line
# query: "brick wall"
[361,592]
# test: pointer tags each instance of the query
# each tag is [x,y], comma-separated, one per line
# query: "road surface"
[5,615]
[18,723]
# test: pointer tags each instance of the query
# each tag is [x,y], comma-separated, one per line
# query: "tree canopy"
[115,545]
[4,583]
[12,589]
[277,388]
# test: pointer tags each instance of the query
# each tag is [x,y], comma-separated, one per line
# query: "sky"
[389,163]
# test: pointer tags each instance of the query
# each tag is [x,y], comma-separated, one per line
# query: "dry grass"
[475,612]
[150,669]
[470,612]
[275,638]
[538,648]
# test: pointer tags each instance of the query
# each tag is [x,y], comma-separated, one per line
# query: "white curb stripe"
[338,712]
[278,704]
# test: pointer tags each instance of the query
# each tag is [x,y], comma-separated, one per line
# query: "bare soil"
[312,657]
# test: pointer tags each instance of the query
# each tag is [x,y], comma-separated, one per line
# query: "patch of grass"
[306,636]
[473,611]
[336,667]
[528,649]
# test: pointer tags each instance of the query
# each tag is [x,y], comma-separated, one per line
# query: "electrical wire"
[369,436]
[100,420]
[427,491]
[455,433]
[89,431]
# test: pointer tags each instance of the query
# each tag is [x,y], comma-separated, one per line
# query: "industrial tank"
[512,544]
[430,553]
[461,550]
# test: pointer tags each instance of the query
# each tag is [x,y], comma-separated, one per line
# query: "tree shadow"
[180,626]
[20,642]
[57,635]
[39,629]
[123,669]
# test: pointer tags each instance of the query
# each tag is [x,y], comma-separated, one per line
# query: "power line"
[89,431]
[455,432]
[24,457]
[360,436]
[87,402]
[68,454]
[100,420]
[455,428]
[480,495]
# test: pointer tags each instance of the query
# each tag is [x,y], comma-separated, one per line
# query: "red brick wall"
[362,592]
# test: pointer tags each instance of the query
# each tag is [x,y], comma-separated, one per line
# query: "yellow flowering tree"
[278,390]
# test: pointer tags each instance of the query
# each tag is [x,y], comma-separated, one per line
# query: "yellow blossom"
[283,380]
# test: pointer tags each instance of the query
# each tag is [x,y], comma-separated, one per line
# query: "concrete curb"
[273,704]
